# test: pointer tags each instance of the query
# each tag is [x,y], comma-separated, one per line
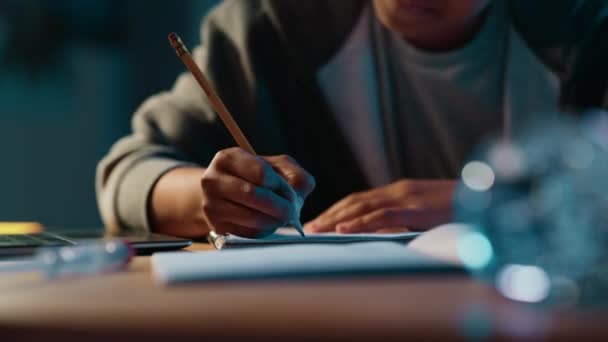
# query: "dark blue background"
[71,75]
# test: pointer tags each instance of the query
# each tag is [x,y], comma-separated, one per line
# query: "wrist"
[174,207]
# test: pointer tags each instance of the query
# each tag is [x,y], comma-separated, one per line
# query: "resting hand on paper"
[252,196]
[400,206]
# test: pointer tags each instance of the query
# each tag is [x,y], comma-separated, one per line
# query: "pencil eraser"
[173,39]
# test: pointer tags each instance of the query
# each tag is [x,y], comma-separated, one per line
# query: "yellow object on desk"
[12,228]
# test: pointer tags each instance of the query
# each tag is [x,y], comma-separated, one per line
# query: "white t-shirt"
[444,104]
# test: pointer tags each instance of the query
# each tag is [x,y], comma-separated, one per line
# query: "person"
[374,104]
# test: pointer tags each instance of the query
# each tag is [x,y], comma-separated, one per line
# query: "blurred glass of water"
[539,203]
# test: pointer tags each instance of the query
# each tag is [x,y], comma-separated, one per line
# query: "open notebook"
[295,261]
[291,236]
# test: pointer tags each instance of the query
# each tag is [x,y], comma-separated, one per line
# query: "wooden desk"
[128,305]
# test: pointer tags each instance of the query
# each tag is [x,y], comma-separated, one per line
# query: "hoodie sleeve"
[178,128]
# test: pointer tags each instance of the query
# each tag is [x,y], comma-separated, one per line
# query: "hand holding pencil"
[245,194]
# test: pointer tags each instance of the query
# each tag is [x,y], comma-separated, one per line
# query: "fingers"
[378,194]
[229,217]
[226,187]
[327,222]
[251,194]
[394,230]
[299,179]
[239,163]
[422,204]
[342,204]
[229,212]
[373,221]
[416,219]
[234,229]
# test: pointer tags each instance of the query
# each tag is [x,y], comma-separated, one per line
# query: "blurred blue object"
[85,259]
[540,204]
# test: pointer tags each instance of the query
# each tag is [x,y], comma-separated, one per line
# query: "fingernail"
[342,228]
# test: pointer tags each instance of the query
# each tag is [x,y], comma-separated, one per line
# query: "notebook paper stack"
[295,261]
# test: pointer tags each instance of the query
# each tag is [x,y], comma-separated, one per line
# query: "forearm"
[175,203]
